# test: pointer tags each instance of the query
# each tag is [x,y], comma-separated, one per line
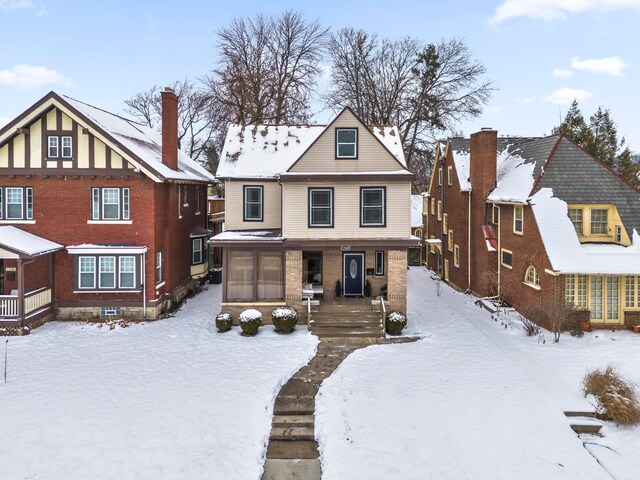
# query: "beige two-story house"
[310,206]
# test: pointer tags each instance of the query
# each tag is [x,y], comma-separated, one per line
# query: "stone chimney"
[482,167]
[170,128]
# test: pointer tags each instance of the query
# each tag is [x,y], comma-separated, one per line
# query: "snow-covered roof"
[248,236]
[99,248]
[514,178]
[143,142]
[567,254]
[265,151]
[416,211]
[21,242]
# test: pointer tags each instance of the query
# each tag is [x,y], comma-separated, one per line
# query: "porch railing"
[32,301]
[37,299]
[8,306]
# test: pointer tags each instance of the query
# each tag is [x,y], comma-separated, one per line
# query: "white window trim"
[535,273]
[98,206]
[120,272]
[99,260]
[193,251]
[62,139]
[515,219]
[311,207]
[246,218]
[49,146]
[93,286]
[159,267]
[26,205]
[355,144]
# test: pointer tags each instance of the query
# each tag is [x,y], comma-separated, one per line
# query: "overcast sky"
[540,53]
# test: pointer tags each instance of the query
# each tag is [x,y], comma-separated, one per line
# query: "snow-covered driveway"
[463,403]
[171,399]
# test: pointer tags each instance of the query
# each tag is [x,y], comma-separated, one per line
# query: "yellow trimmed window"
[532,277]
[575,214]
[445,217]
[450,241]
[495,214]
[449,175]
[433,206]
[506,258]
[456,255]
[575,290]
[439,210]
[599,221]
[518,219]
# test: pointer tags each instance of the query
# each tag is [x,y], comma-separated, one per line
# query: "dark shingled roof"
[576,177]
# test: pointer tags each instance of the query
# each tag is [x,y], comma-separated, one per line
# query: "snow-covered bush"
[616,396]
[284,319]
[224,322]
[531,328]
[250,321]
[396,322]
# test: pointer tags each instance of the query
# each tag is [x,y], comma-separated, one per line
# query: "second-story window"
[16,203]
[599,221]
[320,207]
[575,214]
[110,203]
[59,146]
[372,207]
[346,143]
[518,215]
[253,203]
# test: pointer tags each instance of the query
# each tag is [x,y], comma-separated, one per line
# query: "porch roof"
[247,236]
[25,244]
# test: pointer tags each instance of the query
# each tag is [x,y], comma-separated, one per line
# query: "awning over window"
[25,244]
[105,249]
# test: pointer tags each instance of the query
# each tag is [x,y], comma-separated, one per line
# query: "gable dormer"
[348,146]
[598,224]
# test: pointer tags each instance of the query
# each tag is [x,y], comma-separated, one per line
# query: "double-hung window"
[198,252]
[110,203]
[127,272]
[372,206]
[59,146]
[253,203]
[518,218]
[321,207]
[87,272]
[346,143]
[111,272]
[107,276]
[159,272]
[16,203]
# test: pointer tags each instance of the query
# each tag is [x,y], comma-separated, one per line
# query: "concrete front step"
[336,333]
[580,414]
[293,421]
[331,322]
[292,469]
[292,433]
[293,406]
[284,449]
[299,389]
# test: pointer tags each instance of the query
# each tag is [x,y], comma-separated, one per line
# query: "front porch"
[26,280]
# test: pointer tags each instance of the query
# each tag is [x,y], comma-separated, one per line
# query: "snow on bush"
[284,319]
[224,322]
[616,396]
[396,322]
[250,321]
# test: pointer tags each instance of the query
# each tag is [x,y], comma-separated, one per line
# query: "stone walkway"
[293,451]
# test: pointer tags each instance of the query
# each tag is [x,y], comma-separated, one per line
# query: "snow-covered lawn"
[474,399]
[171,399]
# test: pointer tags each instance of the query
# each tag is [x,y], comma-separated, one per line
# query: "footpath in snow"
[474,399]
[171,399]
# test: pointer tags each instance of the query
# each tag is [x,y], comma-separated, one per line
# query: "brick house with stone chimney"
[308,206]
[536,220]
[99,216]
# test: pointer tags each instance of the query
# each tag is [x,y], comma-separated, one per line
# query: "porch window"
[253,203]
[110,203]
[599,221]
[87,272]
[372,206]
[16,203]
[575,290]
[107,272]
[239,275]
[346,143]
[253,275]
[270,275]
[518,215]
[321,207]
[127,272]
[379,271]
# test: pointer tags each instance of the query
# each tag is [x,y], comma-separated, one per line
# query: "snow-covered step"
[585,425]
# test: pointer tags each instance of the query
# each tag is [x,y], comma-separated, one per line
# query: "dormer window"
[575,214]
[599,221]
[346,143]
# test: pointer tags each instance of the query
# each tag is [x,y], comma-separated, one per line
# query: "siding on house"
[234,195]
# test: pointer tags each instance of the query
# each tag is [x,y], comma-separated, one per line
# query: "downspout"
[441,176]
[144,286]
[499,247]
[469,242]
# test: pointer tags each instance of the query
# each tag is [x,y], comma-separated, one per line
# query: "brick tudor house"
[536,220]
[99,215]
[313,205]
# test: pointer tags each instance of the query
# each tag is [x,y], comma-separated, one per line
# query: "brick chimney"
[482,167]
[170,128]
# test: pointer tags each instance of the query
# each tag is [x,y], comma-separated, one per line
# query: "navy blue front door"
[352,273]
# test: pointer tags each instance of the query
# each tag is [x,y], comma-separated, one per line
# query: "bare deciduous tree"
[199,122]
[268,68]
[424,89]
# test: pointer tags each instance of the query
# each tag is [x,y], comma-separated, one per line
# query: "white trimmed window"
[198,252]
[67,147]
[107,272]
[53,150]
[159,272]
[518,216]
[110,203]
[320,207]
[346,143]
[379,270]
[532,277]
[127,272]
[16,203]
[59,146]
[372,207]
[87,272]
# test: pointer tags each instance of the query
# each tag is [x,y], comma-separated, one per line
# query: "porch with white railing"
[33,301]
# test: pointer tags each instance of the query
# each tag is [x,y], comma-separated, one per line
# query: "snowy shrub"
[224,322]
[284,319]
[250,321]
[531,328]
[616,396]
[396,322]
